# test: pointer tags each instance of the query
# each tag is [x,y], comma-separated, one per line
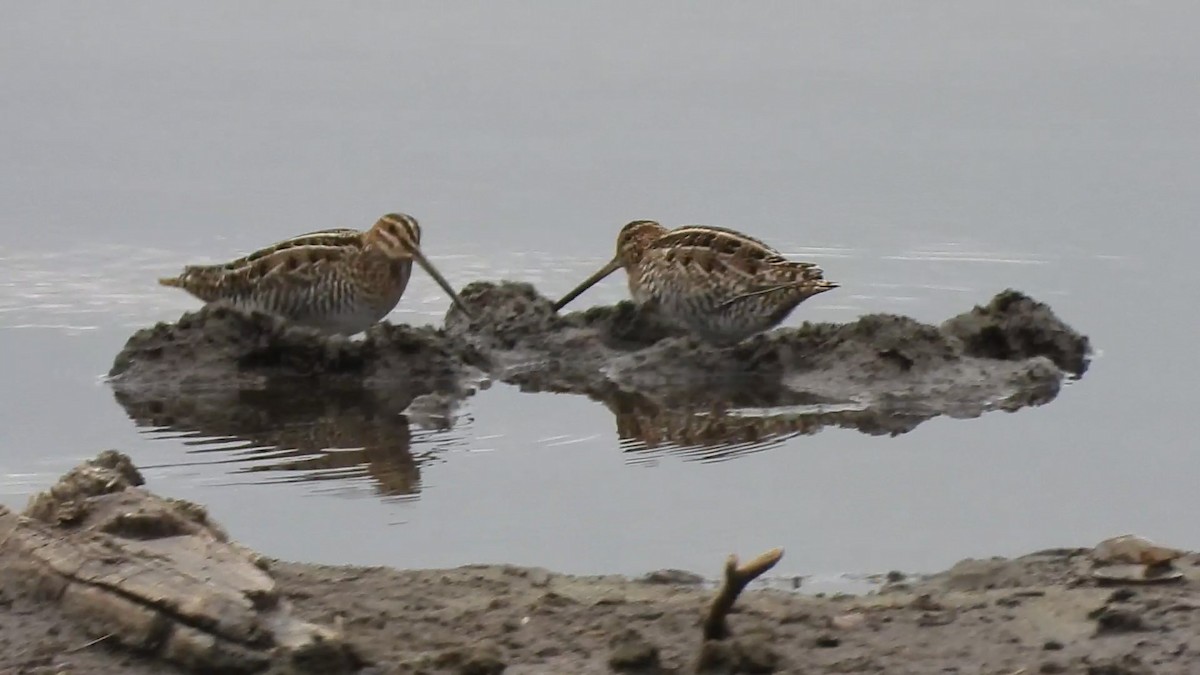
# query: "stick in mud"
[736,579]
[90,643]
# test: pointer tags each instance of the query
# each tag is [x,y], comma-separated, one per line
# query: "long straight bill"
[441,281]
[612,266]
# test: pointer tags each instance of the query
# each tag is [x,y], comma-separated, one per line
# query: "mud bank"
[100,576]
[881,374]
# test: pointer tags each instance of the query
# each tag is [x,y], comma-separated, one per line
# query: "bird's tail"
[193,278]
[822,285]
[809,277]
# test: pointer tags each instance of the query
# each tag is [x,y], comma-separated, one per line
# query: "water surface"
[926,156]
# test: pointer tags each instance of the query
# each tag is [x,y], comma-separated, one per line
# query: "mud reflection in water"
[320,435]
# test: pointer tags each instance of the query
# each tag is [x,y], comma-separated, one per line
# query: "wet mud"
[223,373]
[1070,610]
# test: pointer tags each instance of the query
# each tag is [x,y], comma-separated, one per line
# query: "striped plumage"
[719,284]
[337,281]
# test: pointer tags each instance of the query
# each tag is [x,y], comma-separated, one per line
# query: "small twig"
[736,578]
[85,645]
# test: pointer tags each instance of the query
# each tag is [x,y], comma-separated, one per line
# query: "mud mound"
[881,374]
[1014,326]
[1015,352]
[528,344]
[224,348]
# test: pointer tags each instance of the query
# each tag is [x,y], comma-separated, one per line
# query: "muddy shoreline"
[101,575]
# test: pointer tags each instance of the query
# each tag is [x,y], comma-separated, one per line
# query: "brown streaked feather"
[333,239]
[299,258]
[721,259]
[719,240]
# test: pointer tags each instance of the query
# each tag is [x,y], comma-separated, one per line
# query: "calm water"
[926,155]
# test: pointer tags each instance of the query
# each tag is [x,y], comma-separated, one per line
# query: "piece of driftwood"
[155,575]
[736,579]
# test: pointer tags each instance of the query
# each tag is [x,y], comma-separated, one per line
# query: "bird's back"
[722,284]
[297,258]
[724,261]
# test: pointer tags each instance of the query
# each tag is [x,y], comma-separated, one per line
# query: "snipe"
[719,284]
[337,281]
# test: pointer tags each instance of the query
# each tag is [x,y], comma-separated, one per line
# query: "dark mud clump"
[1012,353]
[1012,326]
[528,344]
[225,348]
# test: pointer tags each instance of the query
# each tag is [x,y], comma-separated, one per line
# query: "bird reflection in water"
[327,434]
[314,435]
[740,418]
